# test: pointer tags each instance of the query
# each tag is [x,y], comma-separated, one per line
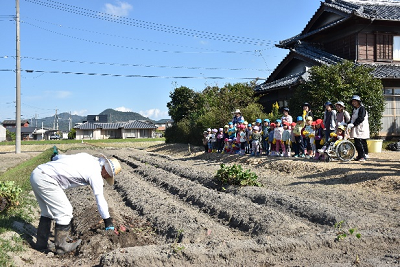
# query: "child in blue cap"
[231,131]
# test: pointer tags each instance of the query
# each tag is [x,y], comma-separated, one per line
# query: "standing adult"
[329,119]
[237,117]
[49,181]
[342,116]
[307,111]
[359,128]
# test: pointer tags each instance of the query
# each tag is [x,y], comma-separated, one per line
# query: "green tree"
[184,101]
[72,134]
[339,83]
[10,136]
[212,108]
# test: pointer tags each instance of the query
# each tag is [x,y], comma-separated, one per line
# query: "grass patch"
[16,244]
[20,174]
[73,141]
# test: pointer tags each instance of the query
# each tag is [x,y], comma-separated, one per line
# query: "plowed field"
[170,211]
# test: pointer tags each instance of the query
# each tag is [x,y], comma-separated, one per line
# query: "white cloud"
[154,114]
[62,94]
[123,109]
[53,94]
[119,9]
[82,112]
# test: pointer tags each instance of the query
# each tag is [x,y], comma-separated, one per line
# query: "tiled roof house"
[363,31]
[115,130]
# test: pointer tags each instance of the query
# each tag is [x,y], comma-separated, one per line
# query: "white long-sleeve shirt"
[79,170]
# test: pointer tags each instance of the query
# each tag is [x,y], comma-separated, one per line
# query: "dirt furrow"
[171,218]
[312,210]
[235,211]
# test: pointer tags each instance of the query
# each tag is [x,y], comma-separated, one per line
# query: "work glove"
[108,224]
[55,153]
[350,125]
[274,141]
[322,141]
[333,134]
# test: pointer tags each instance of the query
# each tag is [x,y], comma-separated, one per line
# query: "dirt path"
[177,214]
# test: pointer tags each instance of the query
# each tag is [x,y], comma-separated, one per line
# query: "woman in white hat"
[359,128]
[237,118]
[49,181]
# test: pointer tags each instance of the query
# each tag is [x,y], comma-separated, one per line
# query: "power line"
[130,38]
[136,75]
[150,25]
[137,48]
[137,65]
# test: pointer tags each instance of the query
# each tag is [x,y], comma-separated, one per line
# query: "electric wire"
[135,75]
[23,18]
[134,48]
[135,65]
[149,25]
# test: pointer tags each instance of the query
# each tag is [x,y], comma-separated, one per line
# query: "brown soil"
[170,211]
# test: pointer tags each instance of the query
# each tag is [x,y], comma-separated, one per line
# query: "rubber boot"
[61,236]
[43,233]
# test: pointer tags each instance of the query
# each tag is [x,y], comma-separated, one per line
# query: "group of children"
[305,137]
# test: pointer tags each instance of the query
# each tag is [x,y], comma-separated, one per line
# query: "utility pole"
[55,122]
[18,84]
[70,122]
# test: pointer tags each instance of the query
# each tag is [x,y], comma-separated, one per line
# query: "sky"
[83,57]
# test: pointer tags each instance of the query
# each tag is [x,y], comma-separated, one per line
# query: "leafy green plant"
[342,234]
[9,195]
[176,247]
[235,175]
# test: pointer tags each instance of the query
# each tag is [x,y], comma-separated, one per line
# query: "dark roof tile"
[115,125]
[368,9]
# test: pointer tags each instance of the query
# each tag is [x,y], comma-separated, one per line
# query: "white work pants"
[52,200]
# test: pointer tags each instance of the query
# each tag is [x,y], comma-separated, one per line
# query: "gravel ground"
[186,217]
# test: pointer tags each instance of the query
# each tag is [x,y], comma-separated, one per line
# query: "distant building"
[13,123]
[163,124]
[97,118]
[3,134]
[117,130]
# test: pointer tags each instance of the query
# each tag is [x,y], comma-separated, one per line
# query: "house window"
[384,47]
[391,114]
[396,47]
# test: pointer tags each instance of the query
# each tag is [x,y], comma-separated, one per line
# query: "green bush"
[340,82]
[9,195]
[235,175]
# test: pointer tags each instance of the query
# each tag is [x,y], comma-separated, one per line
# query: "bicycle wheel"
[345,150]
